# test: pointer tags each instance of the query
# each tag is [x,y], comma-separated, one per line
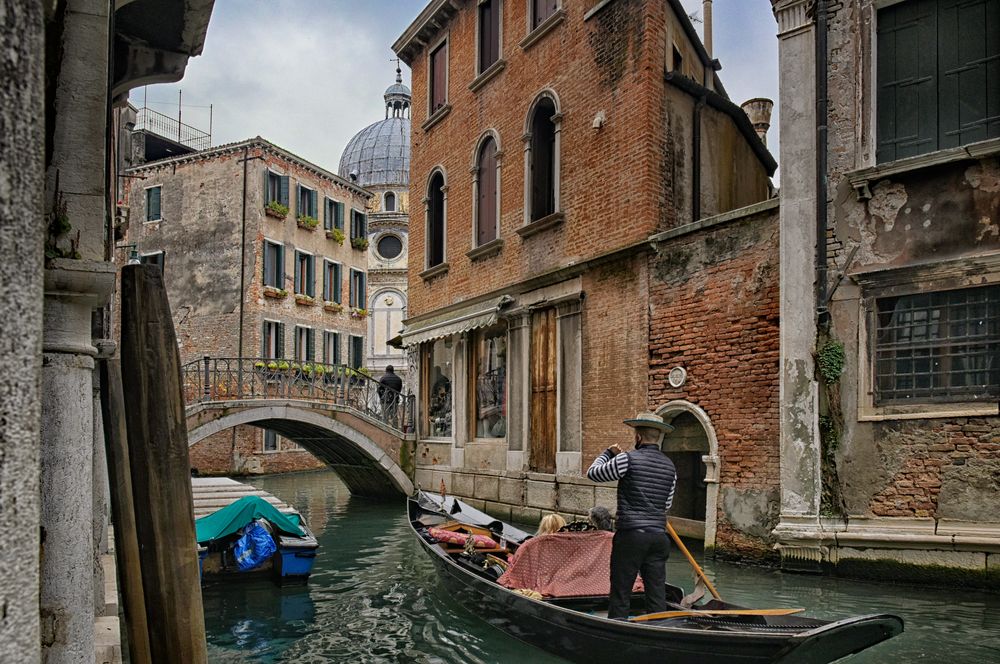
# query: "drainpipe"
[696,160]
[243,250]
[822,314]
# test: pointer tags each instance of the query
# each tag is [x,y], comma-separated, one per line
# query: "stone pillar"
[459,399]
[73,288]
[799,437]
[570,384]
[22,227]
[518,386]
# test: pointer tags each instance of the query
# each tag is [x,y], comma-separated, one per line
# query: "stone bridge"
[343,417]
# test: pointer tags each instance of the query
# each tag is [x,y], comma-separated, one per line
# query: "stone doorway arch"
[694,448]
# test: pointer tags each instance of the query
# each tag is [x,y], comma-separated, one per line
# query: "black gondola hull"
[582,637]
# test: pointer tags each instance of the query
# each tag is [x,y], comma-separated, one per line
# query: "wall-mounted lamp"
[133,254]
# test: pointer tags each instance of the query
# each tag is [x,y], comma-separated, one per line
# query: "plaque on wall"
[677,377]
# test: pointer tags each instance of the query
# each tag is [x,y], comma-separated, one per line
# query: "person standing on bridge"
[646,482]
[390,386]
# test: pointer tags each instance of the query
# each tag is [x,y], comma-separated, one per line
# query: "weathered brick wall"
[615,337]
[939,468]
[714,311]
[217,455]
[610,177]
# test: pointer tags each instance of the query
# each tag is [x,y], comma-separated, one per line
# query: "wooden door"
[542,440]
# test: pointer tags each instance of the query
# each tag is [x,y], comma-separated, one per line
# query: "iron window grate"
[942,346]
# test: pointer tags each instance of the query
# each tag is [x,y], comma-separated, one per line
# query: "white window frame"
[326,360]
[264,261]
[295,256]
[297,345]
[276,355]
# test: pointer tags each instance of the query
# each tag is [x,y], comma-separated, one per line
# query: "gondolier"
[646,482]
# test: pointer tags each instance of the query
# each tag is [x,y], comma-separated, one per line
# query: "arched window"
[543,161]
[486,193]
[435,220]
[390,202]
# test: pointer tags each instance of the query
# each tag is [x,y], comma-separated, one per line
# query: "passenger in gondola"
[646,481]
[600,518]
[550,523]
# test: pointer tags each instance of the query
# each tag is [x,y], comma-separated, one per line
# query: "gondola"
[577,627]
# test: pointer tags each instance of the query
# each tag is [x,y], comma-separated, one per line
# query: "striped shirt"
[612,467]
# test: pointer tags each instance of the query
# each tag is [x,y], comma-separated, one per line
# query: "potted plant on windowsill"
[307,222]
[333,307]
[306,300]
[282,366]
[336,235]
[360,243]
[276,210]
[277,293]
[358,312]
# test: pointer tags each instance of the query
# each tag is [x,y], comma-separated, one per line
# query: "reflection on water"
[374,597]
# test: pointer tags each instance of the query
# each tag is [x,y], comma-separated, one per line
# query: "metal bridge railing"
[232,378]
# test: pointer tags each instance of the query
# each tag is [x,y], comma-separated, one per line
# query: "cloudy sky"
[308,74]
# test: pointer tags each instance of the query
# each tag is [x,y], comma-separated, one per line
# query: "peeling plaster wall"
[947,467]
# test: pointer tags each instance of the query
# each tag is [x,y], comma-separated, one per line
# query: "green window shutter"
[152,204]
[280,341]
[969,71]
[340,216]
[337,296]
[283,190]
[263,339]
[311,344]
[311,276]
[267,173]
[327,218]
[907,75]
[351,297]
[295,344]
[281,266]
[363,287]
[313,197]
[297,279]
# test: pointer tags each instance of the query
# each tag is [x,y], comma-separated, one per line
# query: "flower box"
[307,222]
[277,293]
[357,312]
[276,210]
[333,307]
[359,242]
[336,235]
[304,300]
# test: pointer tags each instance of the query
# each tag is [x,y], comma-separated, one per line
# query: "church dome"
[379,154]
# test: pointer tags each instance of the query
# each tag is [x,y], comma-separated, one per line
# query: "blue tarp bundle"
[229,519]
[254,547]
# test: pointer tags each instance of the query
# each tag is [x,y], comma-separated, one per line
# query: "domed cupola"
[379,154]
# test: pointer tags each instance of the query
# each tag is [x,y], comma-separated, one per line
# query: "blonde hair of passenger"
[550,523]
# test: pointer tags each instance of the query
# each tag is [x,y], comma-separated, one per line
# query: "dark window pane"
[543,145]
[435,221]
[390,246]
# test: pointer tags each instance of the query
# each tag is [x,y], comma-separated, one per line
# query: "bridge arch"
[360,452]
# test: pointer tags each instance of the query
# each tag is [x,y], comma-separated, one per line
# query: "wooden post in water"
[161,476]
[122,514]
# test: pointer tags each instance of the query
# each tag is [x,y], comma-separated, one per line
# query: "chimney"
[759,112]
[706,15]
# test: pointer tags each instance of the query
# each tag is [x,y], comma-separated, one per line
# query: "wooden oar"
[664,615]
[694,564]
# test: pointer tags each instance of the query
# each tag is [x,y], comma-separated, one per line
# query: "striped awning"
[474,316]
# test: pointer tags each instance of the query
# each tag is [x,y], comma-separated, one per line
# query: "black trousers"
[643,551]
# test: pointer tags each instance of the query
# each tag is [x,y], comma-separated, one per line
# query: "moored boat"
[474,554]
[243,532]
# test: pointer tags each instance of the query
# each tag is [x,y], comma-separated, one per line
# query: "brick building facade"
[896,449]
[567,155]
[303,298]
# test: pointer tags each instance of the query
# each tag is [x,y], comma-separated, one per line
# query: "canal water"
[374,597]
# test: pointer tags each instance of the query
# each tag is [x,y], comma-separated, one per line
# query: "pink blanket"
[564,565]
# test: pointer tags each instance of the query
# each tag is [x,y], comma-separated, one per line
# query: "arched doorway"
[694,449]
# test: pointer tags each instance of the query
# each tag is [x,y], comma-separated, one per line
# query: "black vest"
[643,492]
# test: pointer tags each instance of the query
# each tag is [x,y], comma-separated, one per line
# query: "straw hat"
[649,420]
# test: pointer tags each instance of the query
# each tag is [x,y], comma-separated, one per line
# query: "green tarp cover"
[232,517]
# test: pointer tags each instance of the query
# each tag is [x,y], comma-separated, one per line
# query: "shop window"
[436,388]
[938,347]
[937,76]
[489,364]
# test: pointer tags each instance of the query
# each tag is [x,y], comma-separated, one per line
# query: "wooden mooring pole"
[161,478]
[122,513]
